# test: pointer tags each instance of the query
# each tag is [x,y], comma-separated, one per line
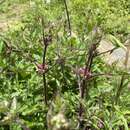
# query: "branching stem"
[83,85]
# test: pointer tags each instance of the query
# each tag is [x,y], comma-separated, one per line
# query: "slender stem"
[44,60]
[44,74]
[109,51]
[119,89]
[44,55]
[83,85]
[68,17]
[122,78]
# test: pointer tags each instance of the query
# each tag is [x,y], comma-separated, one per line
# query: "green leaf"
[124,122]
[116,42]
[1,46]
[4,106]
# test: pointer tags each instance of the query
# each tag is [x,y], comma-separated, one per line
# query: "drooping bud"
[41,68]
[84,72]
[47,40]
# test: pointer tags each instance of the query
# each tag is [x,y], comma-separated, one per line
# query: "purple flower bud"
[100,124]
[84,72]
[41,68]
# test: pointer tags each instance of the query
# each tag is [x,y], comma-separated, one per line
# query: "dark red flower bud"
[41,68]
[84,72]
[100,125]
[60,61]
[47,40]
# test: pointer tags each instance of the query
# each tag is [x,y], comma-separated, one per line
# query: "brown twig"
[109,51]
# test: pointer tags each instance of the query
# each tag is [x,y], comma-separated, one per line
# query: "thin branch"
[119,89]
[44,60]
[109,51]
[68,17]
